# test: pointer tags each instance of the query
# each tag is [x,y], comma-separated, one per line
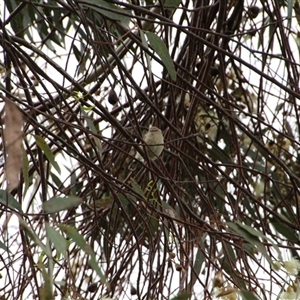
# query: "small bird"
[154,141]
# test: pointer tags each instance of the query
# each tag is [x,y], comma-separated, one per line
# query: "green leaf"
[290,12]
[93,129]
[218,153]
[60,203]
[200,259]
[78,54]
[137,188]
[58,23]
[16,22]
[259,234]
[228,264]
[57,239]
[25,171]
[94,264]
[47,151]
[56,180]
[182,296]
[108,10]
[162,51]
[145,44]
[285,230]
[251,236]
[31,234]
[29,19]
[73,234]
[75,184]
[172,3]
[246,295]
[4,247]
[9,201]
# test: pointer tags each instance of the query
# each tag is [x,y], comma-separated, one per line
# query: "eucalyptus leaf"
[246,295]
[285,231]
[252,236]
[94,264]
[137,188]
[108,10]
[47,151]
[59,242]
[73,234]
[172,3]
[60,203]
[32,235]
[25,172]
[4,247]
[145,44]
[8,200]
[162,51]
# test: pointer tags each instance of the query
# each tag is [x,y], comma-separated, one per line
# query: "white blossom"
[289,295]
[292,266]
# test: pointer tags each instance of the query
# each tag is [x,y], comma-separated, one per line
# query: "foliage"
[217,214]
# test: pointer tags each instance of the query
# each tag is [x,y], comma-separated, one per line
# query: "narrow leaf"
[162,51]
[46,291]
[182,296]
[94,131]
[137,188]
[93,263]
[246,295]
[57,239]
[56,180]
[259,234]
[108,10]
[172,3]
[200,259]
[31,234]
[285,230]
[8,200]
[4,247]
[145,44]
[25,171]
[251,236]
[228,266]
[58,204]
[73,234]
[47,151]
